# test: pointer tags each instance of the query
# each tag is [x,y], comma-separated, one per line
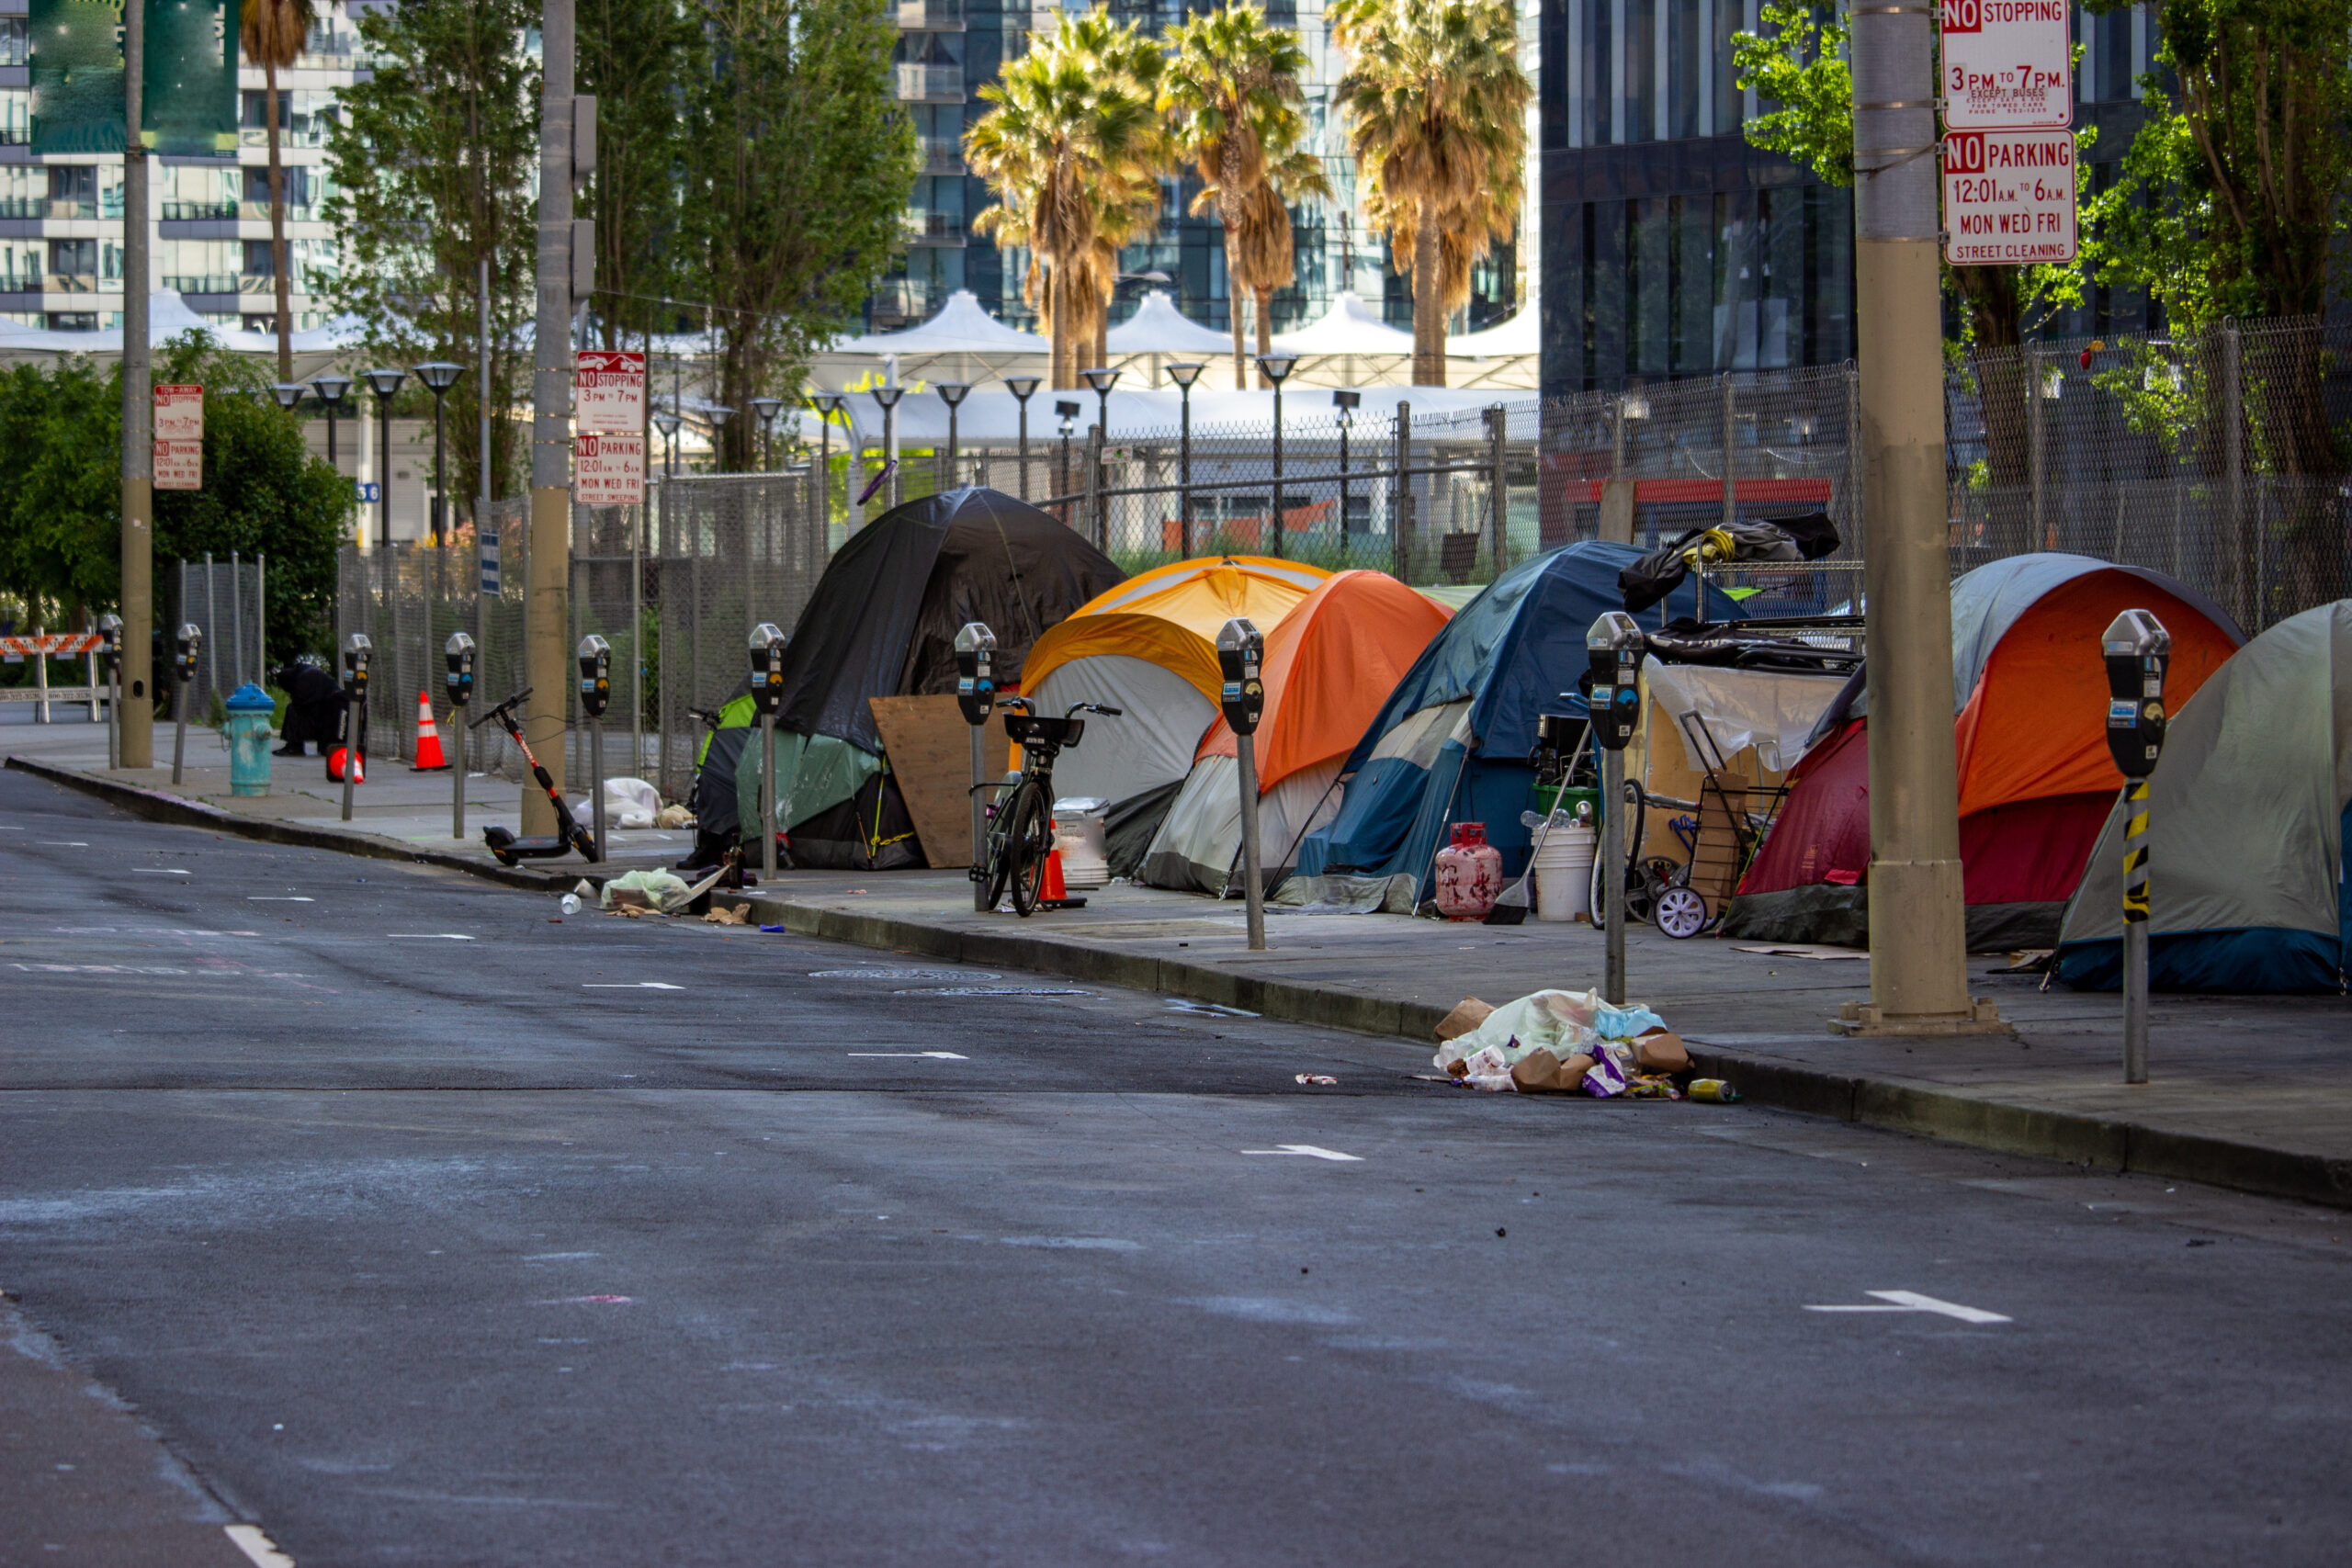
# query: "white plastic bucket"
[1563,874]
[1080,832]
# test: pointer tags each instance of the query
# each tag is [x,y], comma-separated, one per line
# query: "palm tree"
[1060,134]
[1126,192]
[1231,90]
[1437,109]
[272,33]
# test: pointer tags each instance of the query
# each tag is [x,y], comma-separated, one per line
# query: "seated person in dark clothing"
[313,708]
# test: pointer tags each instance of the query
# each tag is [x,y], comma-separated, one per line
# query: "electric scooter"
[504,846]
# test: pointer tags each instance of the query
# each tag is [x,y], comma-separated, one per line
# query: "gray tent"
[2248,879]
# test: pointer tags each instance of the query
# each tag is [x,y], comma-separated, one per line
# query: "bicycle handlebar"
[500,709]
[1091,707]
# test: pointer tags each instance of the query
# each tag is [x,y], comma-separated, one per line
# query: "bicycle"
[1020,826]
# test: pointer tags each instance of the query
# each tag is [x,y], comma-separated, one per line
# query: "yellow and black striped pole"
[2136,931]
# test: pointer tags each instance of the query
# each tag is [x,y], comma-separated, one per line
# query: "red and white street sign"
[179,437]
[2008,65]
[608,423]
[2008,198]
[608,467]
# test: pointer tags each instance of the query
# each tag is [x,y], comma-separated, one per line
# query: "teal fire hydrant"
[250,709]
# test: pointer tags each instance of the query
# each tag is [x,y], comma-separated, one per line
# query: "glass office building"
[1671,247]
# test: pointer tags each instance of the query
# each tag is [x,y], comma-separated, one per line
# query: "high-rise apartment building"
[60,216]
[1672,247]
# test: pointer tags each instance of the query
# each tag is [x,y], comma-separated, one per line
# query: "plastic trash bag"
[1563,1023]
[660,889]
[631,803]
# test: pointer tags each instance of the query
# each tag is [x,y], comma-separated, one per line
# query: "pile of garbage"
[1570,1043]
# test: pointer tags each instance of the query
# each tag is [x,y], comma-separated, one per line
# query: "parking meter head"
[767,669]
[110,628]
[1240,652]
[186,644]
[357,651]
[976,671]
[596,675]
[2138,650]
[459,651]
[1613,648]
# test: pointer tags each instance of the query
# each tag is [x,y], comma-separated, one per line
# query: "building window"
[199,191]
[12,40]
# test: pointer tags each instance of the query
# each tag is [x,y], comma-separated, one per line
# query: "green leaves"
[1799,62]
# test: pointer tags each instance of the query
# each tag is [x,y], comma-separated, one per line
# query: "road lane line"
[629,986]
[1309,1150]
[1912,1300]
[935,1055]
[264,1552]
[426,936]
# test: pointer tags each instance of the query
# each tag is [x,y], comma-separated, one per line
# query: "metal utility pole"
[137,722]
[549,556]
[1919,946]
[484,526]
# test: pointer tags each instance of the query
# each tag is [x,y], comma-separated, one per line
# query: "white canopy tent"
[168,316]
[991,415]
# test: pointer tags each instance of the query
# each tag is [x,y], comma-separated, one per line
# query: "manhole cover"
[882,973]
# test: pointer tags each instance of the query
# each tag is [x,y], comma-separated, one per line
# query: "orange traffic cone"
[1055,890]
[335,768]
[428,740]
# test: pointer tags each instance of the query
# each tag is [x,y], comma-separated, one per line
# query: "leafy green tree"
[434,161]
[637,56]
[800,164]
[61,494]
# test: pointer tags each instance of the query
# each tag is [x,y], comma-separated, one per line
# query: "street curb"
[2092,1142]
[157,806]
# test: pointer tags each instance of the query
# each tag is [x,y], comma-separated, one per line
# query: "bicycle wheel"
[1031,840]
[998,866]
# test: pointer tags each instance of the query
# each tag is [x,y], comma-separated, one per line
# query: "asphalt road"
[423,1228]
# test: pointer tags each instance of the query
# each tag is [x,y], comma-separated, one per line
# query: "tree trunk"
[1261,313]
[1058,329]
[277,257]
[1233,298]
[1428,304]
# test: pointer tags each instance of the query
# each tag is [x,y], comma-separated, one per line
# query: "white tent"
[1158,327]
[1504,355]
[168,316]
[1349,327]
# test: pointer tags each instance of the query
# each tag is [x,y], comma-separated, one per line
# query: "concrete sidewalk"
[2248,1092]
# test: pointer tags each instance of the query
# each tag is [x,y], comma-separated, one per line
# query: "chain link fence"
[222,599]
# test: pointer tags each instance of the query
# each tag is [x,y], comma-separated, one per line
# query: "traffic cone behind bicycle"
[428,739]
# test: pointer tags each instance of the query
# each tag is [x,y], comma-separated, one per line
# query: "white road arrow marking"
[626,984]
[1309,1150]
[163,870]
[426,936]
[1912,1300]
[278,899]
[934,1055]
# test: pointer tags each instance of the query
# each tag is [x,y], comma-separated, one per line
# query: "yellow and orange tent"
[1330,667]
[1148,648]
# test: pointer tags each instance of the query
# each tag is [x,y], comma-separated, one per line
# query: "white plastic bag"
[631,803]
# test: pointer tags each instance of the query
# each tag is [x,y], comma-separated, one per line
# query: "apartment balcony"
[931,84]
[934,229]
[200,211]
[942,157]
[258,212]
[930,15]
[201,282]
[76,283]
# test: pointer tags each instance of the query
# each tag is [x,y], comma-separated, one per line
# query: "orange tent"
[1329,666]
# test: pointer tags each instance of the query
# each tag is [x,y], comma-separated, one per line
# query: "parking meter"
[2137,649]
[767,698]
[596,675]
[185,643]
[459,653]
[975,695]
[358,654]
[976,673]
[1240,653]
[1613,648]
[110,628]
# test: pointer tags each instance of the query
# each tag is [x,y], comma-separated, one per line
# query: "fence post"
[212,632]
[1857,479]
[261,619]
[236,620]
[636,642]
[1096,501]
[1499,485]
[1731,484]
[2244,586]
[2033,445]
[1400,496]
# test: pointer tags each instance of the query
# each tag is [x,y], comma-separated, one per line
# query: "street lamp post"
[385,384]
[767,409]
[1276,367]
[1101,380]
[888,397]
[1067,411]
[718,414]
[439,375]
[1346,402]
[667,422]
[1184,374]
[953,394]
[829,406]
[330,390]
[1022,387]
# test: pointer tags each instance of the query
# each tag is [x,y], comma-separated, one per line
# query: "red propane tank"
[1469,873]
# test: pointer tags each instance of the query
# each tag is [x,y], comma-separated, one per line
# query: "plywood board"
[930,748]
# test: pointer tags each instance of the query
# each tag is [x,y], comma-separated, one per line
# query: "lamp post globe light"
[1276,367]
[888,397]
[386,385]
[718,414]
[1184,373]
[953,394]
[1101,379]
[1067,410]
[667,422]
[767,409]
[829,407]
[439,375]
[330,390]
[289,394]
[1023,388]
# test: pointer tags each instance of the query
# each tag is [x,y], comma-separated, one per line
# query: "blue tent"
[2249,825]
[1451,744]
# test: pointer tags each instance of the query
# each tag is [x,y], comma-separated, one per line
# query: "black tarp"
[884,617]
